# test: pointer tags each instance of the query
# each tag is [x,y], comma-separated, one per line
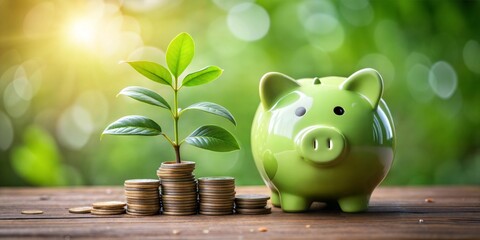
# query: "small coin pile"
[179,188]
[216,195]
[252,204]
[143,197]
[108,208]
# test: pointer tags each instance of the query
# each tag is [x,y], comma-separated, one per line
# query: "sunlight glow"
[82,31]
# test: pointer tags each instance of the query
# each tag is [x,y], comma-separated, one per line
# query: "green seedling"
[179,55]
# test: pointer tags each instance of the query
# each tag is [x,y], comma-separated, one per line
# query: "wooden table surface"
[394,213]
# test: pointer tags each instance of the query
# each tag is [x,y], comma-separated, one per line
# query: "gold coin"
[203,208]
[202,185]
[180,213]
[184,206]
[183,164]
[251,197]
[32,212]
[216,192]
[80,209]
[179,184]
[178,192]
[143,206]
[179,197]
[265,210]
[141,187]
[142,210]
[206,179]
[141,213]
[176,179]
[140,199]
[175,170]
[250,205]
[107,212]
[174,174]
[179,201]
[214,213]
[144,195]
[143,201]
[216,195]
[142,182]
[179,208]
[109,205]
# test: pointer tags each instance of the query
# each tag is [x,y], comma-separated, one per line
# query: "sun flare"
[82,31]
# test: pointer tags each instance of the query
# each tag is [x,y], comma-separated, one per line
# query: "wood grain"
[394,213]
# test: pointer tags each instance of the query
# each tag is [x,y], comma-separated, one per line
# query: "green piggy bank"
[327,139]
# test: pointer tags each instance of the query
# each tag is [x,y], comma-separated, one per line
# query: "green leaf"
[153,71]
[145,95]
[180,53]
[212,108]
[213,138]
[203,76]
[133,125]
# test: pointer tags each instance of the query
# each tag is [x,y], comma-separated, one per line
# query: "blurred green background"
[59,75]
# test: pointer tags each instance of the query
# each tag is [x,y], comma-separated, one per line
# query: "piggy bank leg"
[356,203]
[294,203]
[275,199]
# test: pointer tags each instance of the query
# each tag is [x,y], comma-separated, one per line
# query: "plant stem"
[176,145]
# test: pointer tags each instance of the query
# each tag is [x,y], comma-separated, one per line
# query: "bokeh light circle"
[443,79]
[248,21]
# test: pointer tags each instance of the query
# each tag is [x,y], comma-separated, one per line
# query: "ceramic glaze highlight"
[323,139]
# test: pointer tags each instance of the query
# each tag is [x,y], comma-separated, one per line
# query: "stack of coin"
[216,195]
[179,188]
[108,208]
[252,204]
[143,197]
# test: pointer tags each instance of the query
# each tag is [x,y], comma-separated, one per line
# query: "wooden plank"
[394,213]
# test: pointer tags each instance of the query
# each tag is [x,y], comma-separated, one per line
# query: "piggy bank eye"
[300,111]
[338,110]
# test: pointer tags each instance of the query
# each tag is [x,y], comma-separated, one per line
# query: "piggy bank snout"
[321,144]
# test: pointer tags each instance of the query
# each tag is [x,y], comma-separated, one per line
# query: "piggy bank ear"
[366,82]
[273,86]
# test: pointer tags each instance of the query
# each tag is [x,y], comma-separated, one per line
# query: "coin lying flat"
[107,212]
[109,205]
[251,197]
[254,211]
[32,212]
[146,213]
[142,182]
[85,209]
[217,179]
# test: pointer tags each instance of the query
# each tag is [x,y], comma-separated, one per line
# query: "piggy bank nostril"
[329,143]
[315,144]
